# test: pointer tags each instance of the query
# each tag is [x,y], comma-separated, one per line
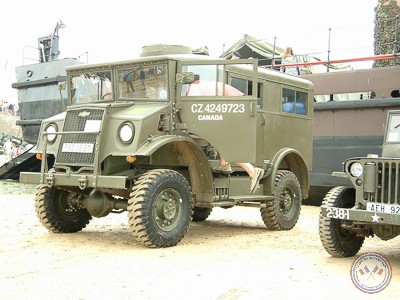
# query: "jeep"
[371,206]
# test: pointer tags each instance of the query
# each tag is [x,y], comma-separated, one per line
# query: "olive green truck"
[371,206]
[146,135]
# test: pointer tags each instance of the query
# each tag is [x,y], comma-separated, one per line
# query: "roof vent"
[156,50]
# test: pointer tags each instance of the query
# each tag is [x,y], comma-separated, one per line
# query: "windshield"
[148,82]
[91,87]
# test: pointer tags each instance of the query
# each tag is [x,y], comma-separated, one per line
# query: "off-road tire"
[56,213]
[201,213]
[336,240]
[160,208]
[283,211]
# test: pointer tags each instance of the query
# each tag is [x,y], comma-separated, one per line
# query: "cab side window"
[294,101]
[239,84]
[246,87]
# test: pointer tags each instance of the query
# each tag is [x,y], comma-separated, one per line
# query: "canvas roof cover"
[250,46]
[266,53]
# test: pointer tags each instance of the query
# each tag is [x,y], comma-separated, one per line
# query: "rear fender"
[292,160]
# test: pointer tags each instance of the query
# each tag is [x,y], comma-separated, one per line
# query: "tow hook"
[83,182]
[50,179]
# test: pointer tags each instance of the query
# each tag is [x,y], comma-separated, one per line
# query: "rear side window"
[294,101]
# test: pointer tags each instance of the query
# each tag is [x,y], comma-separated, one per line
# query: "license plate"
[77,148]
[383,208]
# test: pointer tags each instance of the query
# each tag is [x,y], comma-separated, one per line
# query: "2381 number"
[337,213]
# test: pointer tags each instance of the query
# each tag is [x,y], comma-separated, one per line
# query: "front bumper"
[82,181]
[359,215]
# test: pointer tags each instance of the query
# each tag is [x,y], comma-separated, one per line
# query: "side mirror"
[62,86]
[188,77]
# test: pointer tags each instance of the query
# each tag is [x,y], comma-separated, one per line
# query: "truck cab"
[145,135]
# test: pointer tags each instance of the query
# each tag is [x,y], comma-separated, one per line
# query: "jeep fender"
[292,160]
[178,151]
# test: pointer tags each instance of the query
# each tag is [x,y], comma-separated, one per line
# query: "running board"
[250,200]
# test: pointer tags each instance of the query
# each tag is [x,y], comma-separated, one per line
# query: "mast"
[49,45]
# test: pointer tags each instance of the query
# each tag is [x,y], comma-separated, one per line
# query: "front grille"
[388,182]
[75,121]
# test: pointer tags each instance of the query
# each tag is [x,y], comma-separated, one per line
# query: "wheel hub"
[287,200]
[167,209]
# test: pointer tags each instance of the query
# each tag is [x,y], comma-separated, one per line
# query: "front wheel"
[160,208]
[336,240]
[283,212]
[57,211]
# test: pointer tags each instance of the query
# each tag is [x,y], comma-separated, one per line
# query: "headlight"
[356,169]
[126,132]
[52,128]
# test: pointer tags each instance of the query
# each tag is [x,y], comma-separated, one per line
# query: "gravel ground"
[231,255]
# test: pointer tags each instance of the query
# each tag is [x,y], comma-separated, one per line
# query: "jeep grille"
[75,121]
[388,180]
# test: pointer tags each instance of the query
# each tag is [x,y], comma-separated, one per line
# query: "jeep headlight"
[356,169]
[50,130]
[126,132]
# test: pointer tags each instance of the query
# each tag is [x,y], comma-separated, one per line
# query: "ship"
[39,97]
[37,85]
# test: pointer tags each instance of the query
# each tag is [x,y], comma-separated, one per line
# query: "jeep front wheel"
[58,212]
[160,208]
[338,241]
[283,211]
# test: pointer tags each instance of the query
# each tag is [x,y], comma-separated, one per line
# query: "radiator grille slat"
[388,182]
[75,122]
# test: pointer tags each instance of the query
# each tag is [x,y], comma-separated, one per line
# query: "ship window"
[294,101]
[395,94]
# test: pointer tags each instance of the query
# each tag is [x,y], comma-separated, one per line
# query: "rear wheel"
[336,240]
[283,212]
[160,208]
[201,213]
[58,212]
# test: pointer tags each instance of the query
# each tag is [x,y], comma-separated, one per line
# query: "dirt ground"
[231,255]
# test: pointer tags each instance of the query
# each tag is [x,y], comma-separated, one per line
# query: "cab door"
[218,110]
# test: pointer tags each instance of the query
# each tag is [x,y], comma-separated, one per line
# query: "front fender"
[155,143]
[177,151]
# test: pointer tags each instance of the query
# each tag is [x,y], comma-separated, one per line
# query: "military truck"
[371,206]
[145,136]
